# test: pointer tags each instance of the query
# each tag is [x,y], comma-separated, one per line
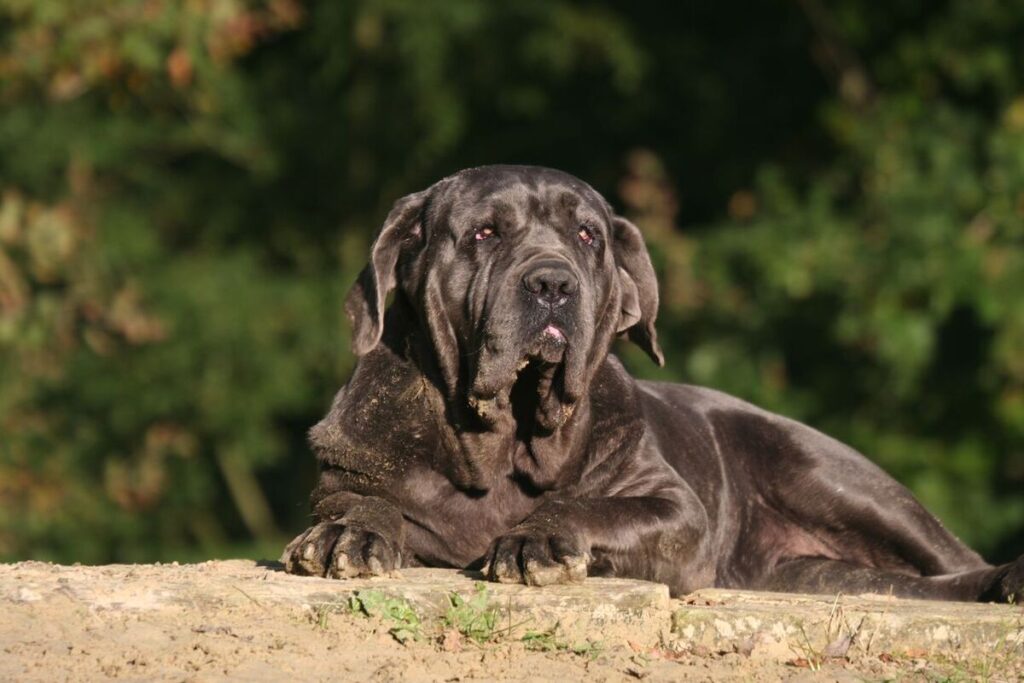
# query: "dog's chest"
[447,526]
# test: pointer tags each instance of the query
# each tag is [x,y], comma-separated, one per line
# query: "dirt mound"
[250,621]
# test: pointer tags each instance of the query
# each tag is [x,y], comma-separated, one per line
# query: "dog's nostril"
[551,284]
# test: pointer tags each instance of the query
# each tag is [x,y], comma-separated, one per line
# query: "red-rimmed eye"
[483,233]
[586,235]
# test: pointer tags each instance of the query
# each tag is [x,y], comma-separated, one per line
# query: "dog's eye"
[586,235]
[483,233]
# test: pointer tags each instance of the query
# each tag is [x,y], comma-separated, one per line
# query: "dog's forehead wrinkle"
[498,211]
[545,219]
[505,213]
[568,200]
[537,190]
[486,179]
[539,209]
[542,238]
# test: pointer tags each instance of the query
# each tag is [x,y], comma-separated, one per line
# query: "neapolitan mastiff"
[486,425]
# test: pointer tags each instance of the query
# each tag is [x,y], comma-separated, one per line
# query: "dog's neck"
[513,445]
[606,423]
[475,456]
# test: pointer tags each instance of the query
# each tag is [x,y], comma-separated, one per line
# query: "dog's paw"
[341,551]
[536,558]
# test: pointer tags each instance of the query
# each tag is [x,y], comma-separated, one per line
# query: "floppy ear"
[639,288]
[365,302]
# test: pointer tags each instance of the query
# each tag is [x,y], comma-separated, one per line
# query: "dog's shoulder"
[381,415]
[692,397]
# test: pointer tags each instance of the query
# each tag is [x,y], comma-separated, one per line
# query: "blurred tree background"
[833,193]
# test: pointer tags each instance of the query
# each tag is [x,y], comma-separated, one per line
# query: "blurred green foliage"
[833,193]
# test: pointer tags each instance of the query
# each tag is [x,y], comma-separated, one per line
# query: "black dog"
[486,425]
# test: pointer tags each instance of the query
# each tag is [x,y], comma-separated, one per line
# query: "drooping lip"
[554,334]
[550,345]
[546,348]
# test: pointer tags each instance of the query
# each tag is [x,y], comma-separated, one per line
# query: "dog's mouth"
[534,386]
[549,347]
[555,334]
[536,393]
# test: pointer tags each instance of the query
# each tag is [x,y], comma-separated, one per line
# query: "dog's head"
[521,276]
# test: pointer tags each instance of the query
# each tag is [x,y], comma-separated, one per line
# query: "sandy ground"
[60,637]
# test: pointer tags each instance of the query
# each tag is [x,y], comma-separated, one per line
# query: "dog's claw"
[536,558]
[539,575]
[342,568]
[335,550]
[577,566]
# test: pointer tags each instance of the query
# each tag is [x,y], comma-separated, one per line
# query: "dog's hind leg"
[824,576]
[825,519]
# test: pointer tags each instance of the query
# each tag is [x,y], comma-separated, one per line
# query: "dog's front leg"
[352,535]
[648,537]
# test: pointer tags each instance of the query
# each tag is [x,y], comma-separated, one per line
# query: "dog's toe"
[310,552]
[361,552]
[341,552]
[537,574]
[536,558]
[504,564]
[539,567]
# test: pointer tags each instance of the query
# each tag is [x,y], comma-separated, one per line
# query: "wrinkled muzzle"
[533,336]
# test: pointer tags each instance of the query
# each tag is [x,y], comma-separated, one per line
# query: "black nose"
[552,283]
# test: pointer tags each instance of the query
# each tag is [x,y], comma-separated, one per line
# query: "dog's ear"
[639,288]
[365,302]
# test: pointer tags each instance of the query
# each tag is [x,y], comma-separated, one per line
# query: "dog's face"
[521,276]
